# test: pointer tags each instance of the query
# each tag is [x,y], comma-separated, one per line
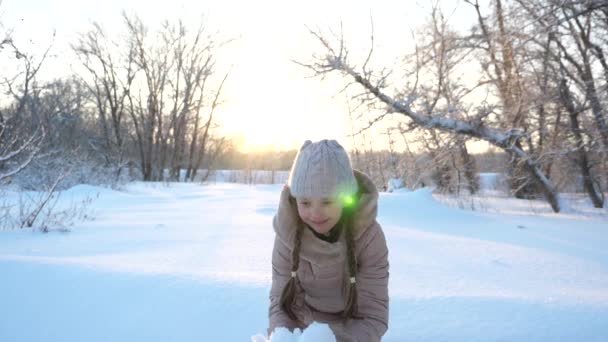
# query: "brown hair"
[288,296]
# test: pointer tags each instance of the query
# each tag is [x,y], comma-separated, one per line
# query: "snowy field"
[191,263]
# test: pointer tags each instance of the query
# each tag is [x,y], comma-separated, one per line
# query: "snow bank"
[316,332]
[183,262]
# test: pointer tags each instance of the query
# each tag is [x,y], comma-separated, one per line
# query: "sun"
[251,133]
[269,104]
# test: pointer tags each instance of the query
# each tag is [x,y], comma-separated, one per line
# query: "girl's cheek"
[303,214]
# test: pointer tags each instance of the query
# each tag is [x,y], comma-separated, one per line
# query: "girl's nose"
[317,213]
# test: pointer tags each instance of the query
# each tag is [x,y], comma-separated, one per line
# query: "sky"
[269,101]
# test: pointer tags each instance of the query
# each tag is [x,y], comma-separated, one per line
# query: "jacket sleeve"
[281,273]
[372,289]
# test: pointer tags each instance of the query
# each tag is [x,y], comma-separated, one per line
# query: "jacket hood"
[314,249]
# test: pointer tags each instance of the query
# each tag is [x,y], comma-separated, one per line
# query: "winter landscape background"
[143,146]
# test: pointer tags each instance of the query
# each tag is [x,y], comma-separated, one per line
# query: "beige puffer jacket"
[323,273]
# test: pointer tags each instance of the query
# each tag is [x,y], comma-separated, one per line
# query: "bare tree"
[178,70]
[216,147]
[575,63]
[506,59]
[590,185]
[27,136]
[580,29]
[110,83]
[147,115]
[199,145]
[21,132]
[413,102]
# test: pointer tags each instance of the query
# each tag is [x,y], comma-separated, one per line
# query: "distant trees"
[532,61]
[155,95]
[528,77]
[38,120]
[262,160]
[111,72]
[143,100]
[22,130]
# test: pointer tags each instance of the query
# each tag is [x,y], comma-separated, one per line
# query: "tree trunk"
[470,169]
[582,159]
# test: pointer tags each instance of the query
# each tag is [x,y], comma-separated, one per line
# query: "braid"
[351,307]
[288,296]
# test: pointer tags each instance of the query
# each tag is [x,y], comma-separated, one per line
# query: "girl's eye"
[328,203]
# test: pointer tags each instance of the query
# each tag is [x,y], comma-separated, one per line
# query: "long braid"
[351,307]
[288,296]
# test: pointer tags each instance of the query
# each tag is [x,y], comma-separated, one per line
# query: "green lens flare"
[349,200]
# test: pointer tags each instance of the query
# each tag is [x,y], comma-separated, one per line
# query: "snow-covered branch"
[504,139]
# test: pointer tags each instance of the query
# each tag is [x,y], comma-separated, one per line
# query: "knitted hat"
[322,169]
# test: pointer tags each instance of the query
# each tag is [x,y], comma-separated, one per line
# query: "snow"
[490,181]
[316,332]
[395,184]
[185,262]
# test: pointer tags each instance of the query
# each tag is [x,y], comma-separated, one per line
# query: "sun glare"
[268,102]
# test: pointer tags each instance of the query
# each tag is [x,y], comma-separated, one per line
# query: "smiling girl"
[330,259]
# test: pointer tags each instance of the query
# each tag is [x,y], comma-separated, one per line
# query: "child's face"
[321,214]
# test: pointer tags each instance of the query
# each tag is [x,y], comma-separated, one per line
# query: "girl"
[330,259]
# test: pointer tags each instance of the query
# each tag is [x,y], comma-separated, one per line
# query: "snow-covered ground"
[192,263]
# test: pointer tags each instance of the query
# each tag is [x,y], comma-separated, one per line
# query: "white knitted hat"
[322,169]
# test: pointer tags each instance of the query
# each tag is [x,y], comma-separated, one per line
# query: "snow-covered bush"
[75,171]
[41,209]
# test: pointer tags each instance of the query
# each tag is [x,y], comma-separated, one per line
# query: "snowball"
[258,338]
[317,332]
[282,334]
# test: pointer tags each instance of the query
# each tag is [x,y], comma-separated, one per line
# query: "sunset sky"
[270,102]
